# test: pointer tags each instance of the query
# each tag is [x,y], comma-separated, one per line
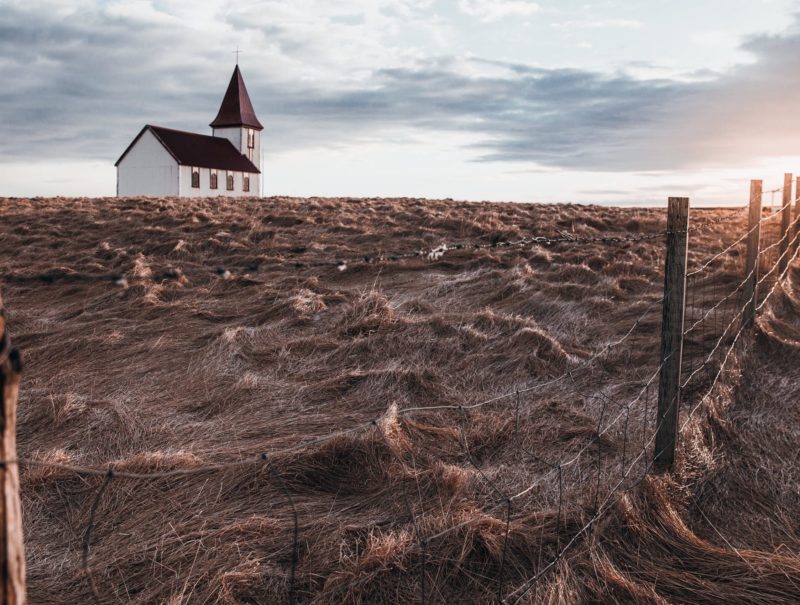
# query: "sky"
[619,102]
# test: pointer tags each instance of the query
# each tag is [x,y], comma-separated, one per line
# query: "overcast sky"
[617,101]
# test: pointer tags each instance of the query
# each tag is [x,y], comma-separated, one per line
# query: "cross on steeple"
[236,52]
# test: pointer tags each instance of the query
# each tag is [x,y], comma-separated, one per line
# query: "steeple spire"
[236,108]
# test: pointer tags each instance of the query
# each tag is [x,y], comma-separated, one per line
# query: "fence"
[706,309]
[12,558]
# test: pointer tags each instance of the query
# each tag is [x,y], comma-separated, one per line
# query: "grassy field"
[164,334]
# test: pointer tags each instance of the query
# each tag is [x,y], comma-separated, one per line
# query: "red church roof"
[236,108]
[202,151]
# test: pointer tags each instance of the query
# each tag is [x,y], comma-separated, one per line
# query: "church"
[165,162]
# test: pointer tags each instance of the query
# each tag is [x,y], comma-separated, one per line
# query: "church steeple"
[237,121]
[236,108]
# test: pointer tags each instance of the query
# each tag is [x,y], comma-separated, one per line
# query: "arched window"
[195,178]
[251,138]
[246,183]
[213,183]
[230,182]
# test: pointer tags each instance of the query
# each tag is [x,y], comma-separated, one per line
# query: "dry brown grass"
[212,346]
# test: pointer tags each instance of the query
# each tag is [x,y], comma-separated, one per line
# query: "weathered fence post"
[786,218]
[12,554]
[669,387]
[753,240]
[796,212]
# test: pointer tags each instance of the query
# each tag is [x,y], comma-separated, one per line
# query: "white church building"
[165,162]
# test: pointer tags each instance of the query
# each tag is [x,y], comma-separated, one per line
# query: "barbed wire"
[747,303]
[719,303]
[738,288]
[744,326]
[739,241]
[738,316]
[599,511]
[555,468]
[439,251]
[577,456]
[60,274]
[525,588]
[605,506]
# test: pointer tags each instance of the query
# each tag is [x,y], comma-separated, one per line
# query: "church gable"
[150,140]
[147,167]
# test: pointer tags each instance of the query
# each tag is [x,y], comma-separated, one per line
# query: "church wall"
[255,156]
[186,189]
[147,169]
[233,134]
[238,136]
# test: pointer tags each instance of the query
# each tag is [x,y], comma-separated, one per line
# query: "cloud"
[492,10]
[81,79]
[599,24]
[566,118]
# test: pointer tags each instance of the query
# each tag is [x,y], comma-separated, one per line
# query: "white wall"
[147,169]
[186,189]
[238,136]
[232,133]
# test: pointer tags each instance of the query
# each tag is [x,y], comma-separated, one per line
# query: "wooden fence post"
[786,218]
[12,554]
[669,386]
[796,212]
[753,242]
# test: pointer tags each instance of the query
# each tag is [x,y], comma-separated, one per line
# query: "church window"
[246,183]
[229,181]
[251,138]
[213,183]
[195,178]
